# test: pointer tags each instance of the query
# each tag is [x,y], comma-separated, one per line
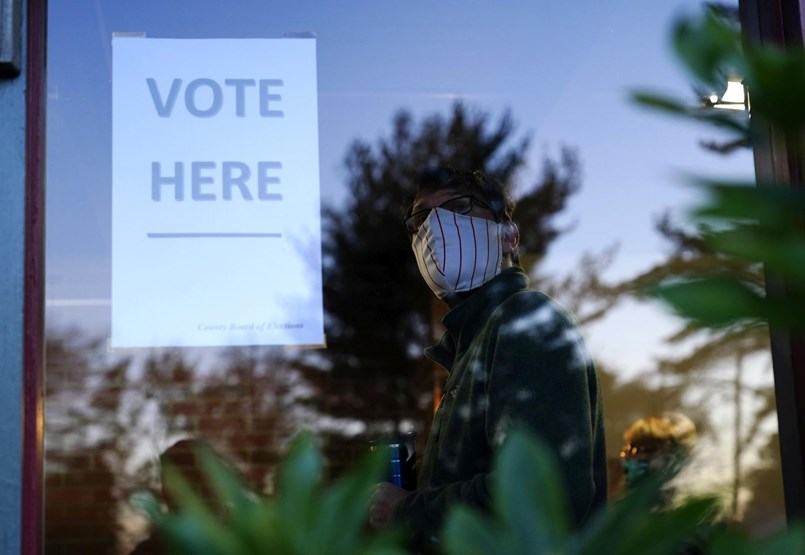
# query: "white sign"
[216,232]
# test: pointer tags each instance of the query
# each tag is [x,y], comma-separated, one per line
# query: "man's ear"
[511,237]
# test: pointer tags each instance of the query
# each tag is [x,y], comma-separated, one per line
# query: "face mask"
[635,470]
[457,252]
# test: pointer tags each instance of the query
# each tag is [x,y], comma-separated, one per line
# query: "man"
[514,358]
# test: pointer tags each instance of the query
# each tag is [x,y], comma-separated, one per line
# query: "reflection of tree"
[87,440]
[537,209]
[245,404]
[766,501]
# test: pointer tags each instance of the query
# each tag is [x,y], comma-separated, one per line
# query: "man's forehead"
[429,198]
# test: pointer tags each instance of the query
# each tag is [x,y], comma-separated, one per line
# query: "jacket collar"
[465,320]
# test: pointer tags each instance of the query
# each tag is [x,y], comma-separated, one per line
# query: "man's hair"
[476,183]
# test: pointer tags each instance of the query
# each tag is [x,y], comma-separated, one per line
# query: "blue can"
[396,464]
[402,459]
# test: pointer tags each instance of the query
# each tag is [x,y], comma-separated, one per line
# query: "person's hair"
[667,431]
[683,429]
[476,183]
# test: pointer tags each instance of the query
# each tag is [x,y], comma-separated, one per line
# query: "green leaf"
[189,536]
[708,47]
[638,524]
[783,255]
[344,506]
[227,486]
[729,120]
[299,478]
[790,540]
[301,469]
[714,301]
[777,207]
[680,528]
[721,301]
[197,520]
[662,103]
[776,80]
[466,532]
[529,494]
[731,541]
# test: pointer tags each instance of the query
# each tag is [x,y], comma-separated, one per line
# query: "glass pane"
[529,92]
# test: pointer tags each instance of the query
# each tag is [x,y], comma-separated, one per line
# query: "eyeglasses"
[630,451]
[459,205]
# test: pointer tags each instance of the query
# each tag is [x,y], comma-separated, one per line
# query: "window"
[398,87]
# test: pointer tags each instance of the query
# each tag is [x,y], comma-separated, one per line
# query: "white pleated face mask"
[457,252]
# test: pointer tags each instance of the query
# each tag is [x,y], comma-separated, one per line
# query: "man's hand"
[383,503]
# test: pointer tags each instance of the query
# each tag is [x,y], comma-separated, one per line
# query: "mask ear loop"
[511,232]
[511,237]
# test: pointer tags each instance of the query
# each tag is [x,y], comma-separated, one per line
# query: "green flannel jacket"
[515,359]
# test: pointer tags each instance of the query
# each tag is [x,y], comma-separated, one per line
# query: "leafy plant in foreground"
[748,227]
[303,518]
[529,515]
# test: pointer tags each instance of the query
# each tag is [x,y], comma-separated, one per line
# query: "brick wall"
[109,419]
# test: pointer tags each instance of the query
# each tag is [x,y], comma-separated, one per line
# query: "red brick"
[69,496]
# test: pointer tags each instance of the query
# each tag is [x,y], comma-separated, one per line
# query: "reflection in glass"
[388,107]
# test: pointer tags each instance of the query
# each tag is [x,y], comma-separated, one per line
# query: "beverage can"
[402,459]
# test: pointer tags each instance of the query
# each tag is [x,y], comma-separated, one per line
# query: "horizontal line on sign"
[78,302]
[407,94]
[213,235]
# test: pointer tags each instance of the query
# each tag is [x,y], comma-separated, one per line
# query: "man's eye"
[460,205]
